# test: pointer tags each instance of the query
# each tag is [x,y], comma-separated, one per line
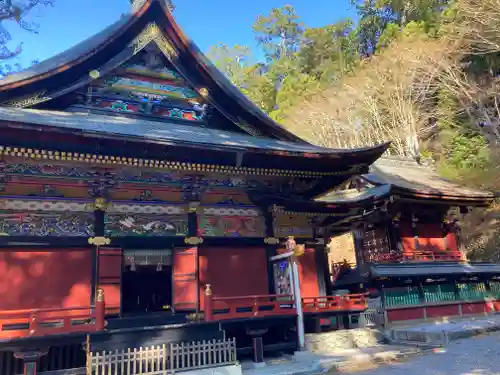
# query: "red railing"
[430,256]
[41,322]
[417,256]
[217,308]
[348,302]
[248,307]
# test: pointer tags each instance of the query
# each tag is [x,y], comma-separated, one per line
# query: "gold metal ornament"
[193,240]
[99,241]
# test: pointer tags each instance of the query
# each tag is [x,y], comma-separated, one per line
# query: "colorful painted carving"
[105,178]
[147,84]
[147,196]
[231,226]
[281,273]
[47,191]
[67,224]
[292,225]
[121,225]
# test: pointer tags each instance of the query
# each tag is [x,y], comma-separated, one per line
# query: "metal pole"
[298,303]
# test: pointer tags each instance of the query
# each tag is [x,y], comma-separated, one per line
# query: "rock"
[329,342]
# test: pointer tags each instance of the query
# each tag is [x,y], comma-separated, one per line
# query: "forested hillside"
[421,73]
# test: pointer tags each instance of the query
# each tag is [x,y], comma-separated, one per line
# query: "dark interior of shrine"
[146,289]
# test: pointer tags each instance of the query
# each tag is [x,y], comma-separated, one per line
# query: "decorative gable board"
[147,84]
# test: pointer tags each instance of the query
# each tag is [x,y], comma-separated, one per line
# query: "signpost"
[294,251]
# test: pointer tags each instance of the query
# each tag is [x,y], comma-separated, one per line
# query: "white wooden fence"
[163,359]
[371,318]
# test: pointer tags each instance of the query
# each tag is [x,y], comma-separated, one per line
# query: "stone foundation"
[329,342]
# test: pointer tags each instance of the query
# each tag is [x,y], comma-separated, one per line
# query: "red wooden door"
[109,278]
[185,294]
[308,274]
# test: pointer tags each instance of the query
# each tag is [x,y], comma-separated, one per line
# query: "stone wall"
[329,342]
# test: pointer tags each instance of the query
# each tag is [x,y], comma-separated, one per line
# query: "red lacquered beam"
[253,306]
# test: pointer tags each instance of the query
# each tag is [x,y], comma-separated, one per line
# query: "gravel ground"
[479,355]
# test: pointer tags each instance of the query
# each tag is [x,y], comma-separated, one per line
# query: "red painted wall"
[308,274]
[110,277]
[430,237]
[44,279]
[474,308]
[185,278]
[451,241]
[233,272]
[407,237]
[405,314]
[442,311]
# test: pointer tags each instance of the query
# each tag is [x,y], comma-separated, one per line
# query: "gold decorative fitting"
[208,290]
[99,241]
[100,204]
[204,92]
[272,241]
[27,101]
[193,207]
[195,317]
[299,250]
[100,295]
[193,240]
[94,74]
[152,33]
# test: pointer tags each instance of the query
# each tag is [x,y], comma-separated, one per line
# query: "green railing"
[495,289]
[439,293]
[402,296]
[472,291]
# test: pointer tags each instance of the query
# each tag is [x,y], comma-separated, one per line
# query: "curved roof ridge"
[76,53]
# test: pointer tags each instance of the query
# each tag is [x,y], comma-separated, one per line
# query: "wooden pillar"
[271,249]
[209,308]
[258,349]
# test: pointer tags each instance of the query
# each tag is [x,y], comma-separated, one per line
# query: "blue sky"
[206,22]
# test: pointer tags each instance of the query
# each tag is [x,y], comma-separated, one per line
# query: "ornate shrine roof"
[412,180]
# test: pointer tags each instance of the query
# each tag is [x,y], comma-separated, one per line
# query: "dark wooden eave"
[76,132]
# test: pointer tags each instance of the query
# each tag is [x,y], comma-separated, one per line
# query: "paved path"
[478,355]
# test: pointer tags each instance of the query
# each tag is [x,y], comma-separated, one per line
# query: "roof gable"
[413,180]
[51,84]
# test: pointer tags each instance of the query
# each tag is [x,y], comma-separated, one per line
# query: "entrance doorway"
[147,282]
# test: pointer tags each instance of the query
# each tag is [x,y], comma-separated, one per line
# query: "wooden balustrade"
[348,302]
[249,307]
[417,256]
[223,308]
[16,324]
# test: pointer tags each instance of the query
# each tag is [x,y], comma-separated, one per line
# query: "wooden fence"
[163,359]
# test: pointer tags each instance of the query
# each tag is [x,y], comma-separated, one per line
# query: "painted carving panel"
[39,224]
[147,84]
[293,225]
[144,225]
[231,226]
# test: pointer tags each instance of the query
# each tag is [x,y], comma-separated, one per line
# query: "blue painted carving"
[39,224]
